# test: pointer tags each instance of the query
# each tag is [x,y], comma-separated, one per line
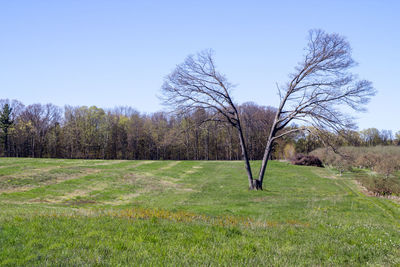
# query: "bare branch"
[196,84]
[321,86]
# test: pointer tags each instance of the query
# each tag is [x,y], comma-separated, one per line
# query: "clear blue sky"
[112,53]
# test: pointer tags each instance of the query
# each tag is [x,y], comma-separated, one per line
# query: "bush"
[384,160]
[388,165]
[382,186]
[367,160]
[342,163]
[307,160]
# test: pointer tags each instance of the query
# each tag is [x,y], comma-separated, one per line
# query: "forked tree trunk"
[267,151]
[264,163]
[245,157]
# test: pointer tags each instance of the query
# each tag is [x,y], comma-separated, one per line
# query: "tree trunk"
[246,159]
[264,164]
[267,152]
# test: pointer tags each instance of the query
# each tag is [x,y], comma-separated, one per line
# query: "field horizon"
[124,212]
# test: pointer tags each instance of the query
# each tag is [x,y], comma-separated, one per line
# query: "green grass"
[97,212]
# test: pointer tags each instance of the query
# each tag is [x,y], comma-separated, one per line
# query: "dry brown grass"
[54,179]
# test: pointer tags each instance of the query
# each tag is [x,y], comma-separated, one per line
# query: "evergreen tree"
[5,124]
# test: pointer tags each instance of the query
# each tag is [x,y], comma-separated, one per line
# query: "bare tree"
[42,118]
[318,90]
[196,84]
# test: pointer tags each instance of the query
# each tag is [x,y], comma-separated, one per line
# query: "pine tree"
[5,124]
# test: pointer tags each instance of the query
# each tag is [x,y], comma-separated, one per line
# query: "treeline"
[123,133]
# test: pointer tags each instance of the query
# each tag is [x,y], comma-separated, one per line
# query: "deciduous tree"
[196,84]
[320,87]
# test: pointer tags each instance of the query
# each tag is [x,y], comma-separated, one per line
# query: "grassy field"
[81,212]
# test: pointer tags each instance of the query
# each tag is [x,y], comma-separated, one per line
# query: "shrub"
[289,151]
[387,165]
[382,186]
[327,156]
[307,160]
[367,160]
[342,163]
[383,160]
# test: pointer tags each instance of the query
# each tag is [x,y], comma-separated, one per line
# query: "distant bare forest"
[123,133]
